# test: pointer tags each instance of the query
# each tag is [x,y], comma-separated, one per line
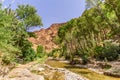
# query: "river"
[91,75]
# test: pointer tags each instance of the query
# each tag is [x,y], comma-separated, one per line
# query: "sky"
[51,11]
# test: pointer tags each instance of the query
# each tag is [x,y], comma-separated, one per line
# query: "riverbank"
[36,71]
[87,71]
[53,70]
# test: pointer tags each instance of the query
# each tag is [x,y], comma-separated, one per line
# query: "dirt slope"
[45,37]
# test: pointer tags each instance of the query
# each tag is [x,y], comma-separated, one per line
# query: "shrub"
[40,51]
[8,53]
[31,34]
[85,59]
[28,53]
[55,53]
[6,60]
[109,51]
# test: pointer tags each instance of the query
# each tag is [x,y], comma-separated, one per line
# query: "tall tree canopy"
[27,14]
[14,42]
[92,34]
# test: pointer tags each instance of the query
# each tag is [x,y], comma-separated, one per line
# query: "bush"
[109,51]
[31,34]
[6,60]
[85,59]
[28,53]
[8,53]
[55,53]
[40,51]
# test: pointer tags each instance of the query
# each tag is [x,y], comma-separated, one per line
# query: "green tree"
[27,14]
[93,3]
[40,49]
[80,36]
[27,18]
[13,32]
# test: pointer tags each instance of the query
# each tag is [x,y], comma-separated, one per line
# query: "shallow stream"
[91,75]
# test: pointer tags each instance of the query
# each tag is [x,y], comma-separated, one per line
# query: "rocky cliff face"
[45,37]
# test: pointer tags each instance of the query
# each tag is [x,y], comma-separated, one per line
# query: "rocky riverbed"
[36,71]
[60,70]
[92,71]
[114,70]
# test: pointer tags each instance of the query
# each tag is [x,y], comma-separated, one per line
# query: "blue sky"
[52,11]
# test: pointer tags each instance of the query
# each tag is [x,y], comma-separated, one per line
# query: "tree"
[6,35]
[13,32]
[93,3]
[80,36]
[27,18]
[27,14]
[113,7]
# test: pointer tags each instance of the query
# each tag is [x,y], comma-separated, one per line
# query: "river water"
[91,75]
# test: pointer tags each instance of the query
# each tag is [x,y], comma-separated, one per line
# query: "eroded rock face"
[45,37]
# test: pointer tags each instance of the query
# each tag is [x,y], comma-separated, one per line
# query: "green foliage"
[28,54]
[55,53]
[8,53]
[40,51]
[92,3]
[85,36]
[108,51]
[6,60]
[27,14]
[31,34]
[13,33]
[85,58]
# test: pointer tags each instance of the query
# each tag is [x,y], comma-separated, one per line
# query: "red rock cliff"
[45,37]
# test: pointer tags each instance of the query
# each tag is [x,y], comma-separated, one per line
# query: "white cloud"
[1,1]
[13,1]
